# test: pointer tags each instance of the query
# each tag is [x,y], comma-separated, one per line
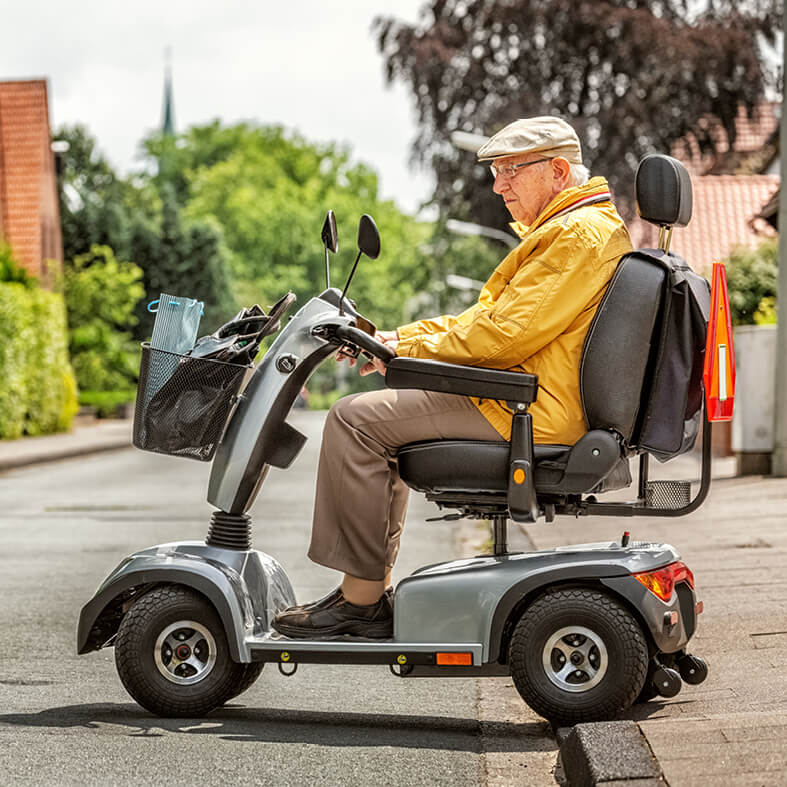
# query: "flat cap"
[550,136]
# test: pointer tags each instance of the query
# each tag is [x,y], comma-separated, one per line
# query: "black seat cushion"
[472,465]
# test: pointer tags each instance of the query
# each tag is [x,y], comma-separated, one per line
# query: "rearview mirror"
[368,237]
[330,237]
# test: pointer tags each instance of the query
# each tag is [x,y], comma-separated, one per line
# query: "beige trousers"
[360,501]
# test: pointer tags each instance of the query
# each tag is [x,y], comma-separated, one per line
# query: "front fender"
[245,588]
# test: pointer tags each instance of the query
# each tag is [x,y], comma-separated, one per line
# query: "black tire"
[144,658]
[250,673]
[600,630]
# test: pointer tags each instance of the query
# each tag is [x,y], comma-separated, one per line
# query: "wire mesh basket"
[183,403]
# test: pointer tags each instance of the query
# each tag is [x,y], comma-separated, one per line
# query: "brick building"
[29,215]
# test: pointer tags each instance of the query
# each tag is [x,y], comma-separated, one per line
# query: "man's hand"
[389,338]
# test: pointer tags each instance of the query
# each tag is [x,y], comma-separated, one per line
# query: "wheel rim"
[575,659]
[185,652]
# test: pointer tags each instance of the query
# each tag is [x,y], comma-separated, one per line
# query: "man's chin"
[512,213]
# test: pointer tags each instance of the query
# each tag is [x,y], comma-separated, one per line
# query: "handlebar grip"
[365,342]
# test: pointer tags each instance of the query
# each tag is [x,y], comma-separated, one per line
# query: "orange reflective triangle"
[719,371]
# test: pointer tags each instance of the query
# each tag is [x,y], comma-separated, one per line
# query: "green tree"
[184,258]
[269,190]
[631,75]
[101,293]
[139,217]
[97,206]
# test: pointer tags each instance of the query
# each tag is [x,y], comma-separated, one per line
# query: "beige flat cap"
[550,136]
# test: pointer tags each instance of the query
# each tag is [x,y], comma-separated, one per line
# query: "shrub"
[11,270]
[107,403]
[38,394]
[752,276]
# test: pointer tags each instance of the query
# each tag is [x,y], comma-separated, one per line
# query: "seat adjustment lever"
[522,491]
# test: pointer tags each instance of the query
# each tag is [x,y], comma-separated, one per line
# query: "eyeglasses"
[509,170]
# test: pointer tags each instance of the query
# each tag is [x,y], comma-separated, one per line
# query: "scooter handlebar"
[365,342]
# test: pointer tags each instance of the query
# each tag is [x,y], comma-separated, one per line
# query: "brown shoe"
[326,601]
[374,621]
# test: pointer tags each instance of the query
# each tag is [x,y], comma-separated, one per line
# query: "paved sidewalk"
[87,436]
[731,729]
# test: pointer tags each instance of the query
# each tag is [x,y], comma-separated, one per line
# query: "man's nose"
[500,184]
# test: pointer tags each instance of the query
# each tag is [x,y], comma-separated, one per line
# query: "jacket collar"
[595,190]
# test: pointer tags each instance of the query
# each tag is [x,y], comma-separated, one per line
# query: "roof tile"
[724,213]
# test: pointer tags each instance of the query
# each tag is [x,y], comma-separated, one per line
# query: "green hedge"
[37,386]
[752,279]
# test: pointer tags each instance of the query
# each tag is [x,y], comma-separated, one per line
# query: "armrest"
[465,380]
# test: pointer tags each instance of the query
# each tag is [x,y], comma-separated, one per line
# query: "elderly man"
[531,316]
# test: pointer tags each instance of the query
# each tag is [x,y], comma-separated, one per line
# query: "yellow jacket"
[533,313]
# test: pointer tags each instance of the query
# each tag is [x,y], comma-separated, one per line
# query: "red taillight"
[662,581]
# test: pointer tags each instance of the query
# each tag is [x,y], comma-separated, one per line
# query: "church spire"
[168,114]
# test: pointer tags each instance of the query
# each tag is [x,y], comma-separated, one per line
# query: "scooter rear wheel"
[171,654]
[578,655]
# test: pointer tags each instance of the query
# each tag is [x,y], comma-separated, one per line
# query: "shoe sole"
[370,631]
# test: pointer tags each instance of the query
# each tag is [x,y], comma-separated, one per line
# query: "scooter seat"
[476,466]
[472,465]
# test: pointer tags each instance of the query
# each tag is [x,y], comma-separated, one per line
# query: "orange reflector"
[698,608]
[519,475]
[718,374]
[455,659]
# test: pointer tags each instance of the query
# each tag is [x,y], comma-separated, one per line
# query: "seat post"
[500,534]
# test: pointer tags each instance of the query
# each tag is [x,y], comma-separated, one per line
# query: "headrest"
[663,191]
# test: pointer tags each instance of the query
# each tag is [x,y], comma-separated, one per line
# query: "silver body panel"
[461,605]
[234,459]
[462,601]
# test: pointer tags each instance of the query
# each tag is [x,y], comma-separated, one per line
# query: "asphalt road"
[66,719]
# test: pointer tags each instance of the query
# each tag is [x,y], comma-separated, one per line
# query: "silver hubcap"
[575,659]
[185,652]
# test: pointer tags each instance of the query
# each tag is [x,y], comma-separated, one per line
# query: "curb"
[65,452]
[608,753]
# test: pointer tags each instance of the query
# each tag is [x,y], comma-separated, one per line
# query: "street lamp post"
[779,458]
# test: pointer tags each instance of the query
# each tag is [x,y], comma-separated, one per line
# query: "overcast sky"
[310,65]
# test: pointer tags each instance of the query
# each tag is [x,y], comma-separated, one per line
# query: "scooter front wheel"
[250,674]
[578,655]
[171,654]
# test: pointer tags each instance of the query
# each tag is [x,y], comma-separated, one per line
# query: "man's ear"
[561,172]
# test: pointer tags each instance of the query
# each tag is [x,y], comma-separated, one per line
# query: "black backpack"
[671,410]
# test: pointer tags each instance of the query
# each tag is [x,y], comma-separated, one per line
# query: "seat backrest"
[621,346]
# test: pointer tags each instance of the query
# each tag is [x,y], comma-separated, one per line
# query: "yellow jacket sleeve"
[433,325]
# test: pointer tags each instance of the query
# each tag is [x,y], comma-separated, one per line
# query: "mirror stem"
[327,271]
[349,279]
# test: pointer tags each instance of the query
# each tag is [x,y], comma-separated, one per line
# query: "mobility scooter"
[583,630]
